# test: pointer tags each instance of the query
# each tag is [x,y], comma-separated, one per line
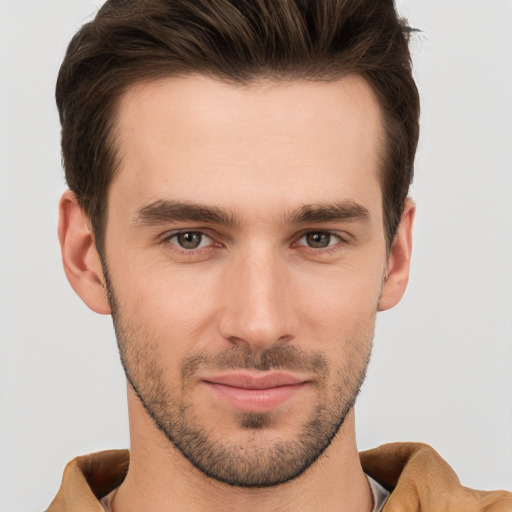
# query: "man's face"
[246,256]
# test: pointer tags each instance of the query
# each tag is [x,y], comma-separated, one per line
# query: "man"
[238,176]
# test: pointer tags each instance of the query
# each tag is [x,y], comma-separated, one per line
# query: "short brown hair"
[239,41]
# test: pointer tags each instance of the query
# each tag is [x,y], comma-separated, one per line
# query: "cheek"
[339,316]
[174,308]
[344,294]
[178,307]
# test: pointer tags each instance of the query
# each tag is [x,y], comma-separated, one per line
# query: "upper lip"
[251,381]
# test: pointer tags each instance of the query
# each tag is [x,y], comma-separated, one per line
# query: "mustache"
[276,358]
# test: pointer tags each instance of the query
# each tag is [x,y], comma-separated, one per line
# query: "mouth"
[255,393]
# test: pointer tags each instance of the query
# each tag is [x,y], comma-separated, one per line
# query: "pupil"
[318,240]
[189,240]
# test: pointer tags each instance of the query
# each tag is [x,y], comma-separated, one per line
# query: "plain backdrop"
[442,366]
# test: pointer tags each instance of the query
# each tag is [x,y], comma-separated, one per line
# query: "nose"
[258,310]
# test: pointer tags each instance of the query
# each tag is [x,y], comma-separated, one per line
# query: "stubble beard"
[253,463]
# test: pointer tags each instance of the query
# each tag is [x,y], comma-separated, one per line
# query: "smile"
[255,393]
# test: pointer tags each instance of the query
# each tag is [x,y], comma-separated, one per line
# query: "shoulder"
[420,479]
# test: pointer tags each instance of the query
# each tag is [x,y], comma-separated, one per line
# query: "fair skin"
[285,258]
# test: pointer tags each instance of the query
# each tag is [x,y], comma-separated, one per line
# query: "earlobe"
[80,258]
[399,260]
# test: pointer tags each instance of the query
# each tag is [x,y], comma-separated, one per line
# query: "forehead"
[200,139]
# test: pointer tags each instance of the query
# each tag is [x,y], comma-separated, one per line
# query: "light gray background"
[441,371]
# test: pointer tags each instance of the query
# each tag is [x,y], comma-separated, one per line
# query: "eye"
[190,240]
[319,239]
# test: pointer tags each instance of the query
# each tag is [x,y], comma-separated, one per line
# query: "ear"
[399,260]
[80,258]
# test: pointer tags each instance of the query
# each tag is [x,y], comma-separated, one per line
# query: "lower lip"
[255,400]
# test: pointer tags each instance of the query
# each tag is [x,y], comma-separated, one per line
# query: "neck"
[159,475]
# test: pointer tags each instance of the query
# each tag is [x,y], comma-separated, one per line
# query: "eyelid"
[314,232]
[166,239]
[174,232]
[342,237]
[204,238]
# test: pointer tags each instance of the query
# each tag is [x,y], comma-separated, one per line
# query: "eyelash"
[189,252]
[322,250]
[341,241]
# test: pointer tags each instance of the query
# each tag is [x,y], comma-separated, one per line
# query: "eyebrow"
[166,211]
[346,211]
[162,212]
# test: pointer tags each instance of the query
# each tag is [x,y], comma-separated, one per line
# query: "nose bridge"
[258,311]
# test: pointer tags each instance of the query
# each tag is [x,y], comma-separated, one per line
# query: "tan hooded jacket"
[420,481]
